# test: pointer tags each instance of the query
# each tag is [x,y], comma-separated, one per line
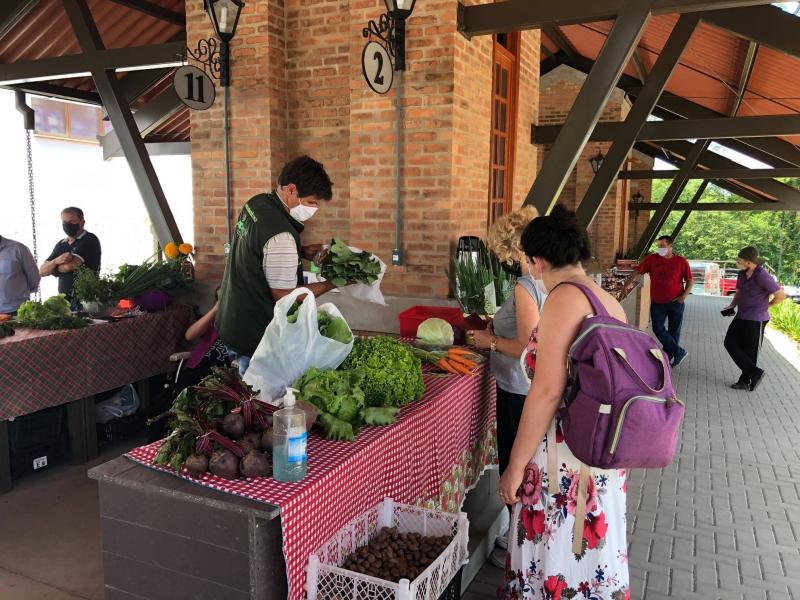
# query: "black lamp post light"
[214,53]
[224,16]
[597,162]
[391,29]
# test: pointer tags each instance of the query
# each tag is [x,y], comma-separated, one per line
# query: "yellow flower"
[185,249]
[171,250]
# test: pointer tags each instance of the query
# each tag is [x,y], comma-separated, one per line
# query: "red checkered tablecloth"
[39,369]
[407,461]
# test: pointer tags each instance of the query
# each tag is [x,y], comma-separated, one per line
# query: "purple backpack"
[620,410]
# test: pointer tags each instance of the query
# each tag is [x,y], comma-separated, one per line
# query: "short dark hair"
[667,238]
[74,210]
[309,176]
[558,238]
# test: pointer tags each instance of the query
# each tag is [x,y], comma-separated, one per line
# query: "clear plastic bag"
[362,291]
[287,350]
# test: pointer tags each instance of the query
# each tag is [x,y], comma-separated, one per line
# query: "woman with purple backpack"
[543,478]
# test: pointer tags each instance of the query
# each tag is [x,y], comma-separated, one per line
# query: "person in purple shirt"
[756,292]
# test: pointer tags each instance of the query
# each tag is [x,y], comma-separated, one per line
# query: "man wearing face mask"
[265,261]
[671,284]
[80,247]
[756,292]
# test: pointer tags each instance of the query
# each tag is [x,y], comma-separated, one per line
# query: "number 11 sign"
[376,65]
[194,87]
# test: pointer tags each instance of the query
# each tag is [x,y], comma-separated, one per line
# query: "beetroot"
[197,465]
[251,441]
[233,425]
[224,464]
[255,464]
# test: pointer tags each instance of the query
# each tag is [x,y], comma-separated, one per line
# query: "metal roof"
[45,32]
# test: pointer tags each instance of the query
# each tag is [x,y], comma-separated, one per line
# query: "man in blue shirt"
[19,277]
[756,292]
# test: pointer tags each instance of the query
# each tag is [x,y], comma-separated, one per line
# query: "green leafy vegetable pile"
[342,266]
[393,375]
[90,287]
[6,330]
[54,313]
[332,327]
[338,397]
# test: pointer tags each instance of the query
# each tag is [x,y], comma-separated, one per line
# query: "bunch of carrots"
[456,361]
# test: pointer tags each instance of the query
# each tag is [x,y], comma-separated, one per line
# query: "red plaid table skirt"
[39,369]
[407,461]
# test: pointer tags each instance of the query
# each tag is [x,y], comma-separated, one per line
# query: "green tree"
[720,235]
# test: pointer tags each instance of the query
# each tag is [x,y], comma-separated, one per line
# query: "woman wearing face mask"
[508,335]
[265,260]
[756,292]
[544,486]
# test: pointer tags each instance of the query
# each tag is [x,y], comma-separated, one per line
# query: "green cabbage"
[435,332]
[58,305]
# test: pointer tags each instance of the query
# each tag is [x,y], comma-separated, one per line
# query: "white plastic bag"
[362,291]
[122,404]
[288,350]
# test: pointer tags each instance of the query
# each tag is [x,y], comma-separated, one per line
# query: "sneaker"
[501,541]
[679,356]
[756,380]
[740,385]
[497,558]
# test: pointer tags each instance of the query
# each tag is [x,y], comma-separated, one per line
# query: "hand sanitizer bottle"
[289,461]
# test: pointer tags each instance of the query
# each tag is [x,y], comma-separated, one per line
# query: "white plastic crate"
[328,581]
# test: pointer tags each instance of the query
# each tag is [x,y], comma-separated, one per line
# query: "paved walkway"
[724,520]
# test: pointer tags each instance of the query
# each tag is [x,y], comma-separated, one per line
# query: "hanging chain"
[33,204]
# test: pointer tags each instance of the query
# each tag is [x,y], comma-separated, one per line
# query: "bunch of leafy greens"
[332,327]
[90,287]
[338,397]
[153,274]
[342,266]
[54,313]
[393,375]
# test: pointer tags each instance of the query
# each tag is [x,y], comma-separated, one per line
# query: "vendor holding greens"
[508,335]
[265,263]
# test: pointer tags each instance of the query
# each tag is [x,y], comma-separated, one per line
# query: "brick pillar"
[300,63]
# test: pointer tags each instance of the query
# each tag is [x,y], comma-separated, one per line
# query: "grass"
[786,318]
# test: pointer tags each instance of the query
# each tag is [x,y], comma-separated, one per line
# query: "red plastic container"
[411,319]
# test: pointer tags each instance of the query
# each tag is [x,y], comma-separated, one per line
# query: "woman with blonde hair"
[508,335]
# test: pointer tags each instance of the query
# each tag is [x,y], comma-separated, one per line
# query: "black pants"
[509,413]
[742,342]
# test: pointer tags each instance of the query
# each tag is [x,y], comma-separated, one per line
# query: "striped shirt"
[280,262]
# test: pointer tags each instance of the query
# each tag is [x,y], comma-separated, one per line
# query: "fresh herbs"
[393,375]
[342,266]
[52,314]
[90,287]
[338,397]
[6,329]
[153,274]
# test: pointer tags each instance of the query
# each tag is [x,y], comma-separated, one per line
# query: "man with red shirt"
[670,285]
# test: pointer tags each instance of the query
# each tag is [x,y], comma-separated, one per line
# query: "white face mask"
[302,213]
[663,251]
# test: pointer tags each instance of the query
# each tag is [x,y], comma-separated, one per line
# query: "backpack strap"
[580,510]
[597,306]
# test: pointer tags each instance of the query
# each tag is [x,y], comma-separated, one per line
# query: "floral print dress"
[540,563]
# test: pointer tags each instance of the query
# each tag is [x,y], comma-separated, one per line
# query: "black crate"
[453,591]
[41,437]
[118,430]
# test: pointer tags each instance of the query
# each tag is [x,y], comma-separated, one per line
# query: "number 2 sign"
[194,88]
[376,65]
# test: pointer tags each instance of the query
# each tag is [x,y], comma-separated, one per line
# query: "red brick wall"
[298,89]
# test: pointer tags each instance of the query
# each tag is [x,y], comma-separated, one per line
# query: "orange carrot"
[470,364]
[455,351]
[443,364]
[461,369]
